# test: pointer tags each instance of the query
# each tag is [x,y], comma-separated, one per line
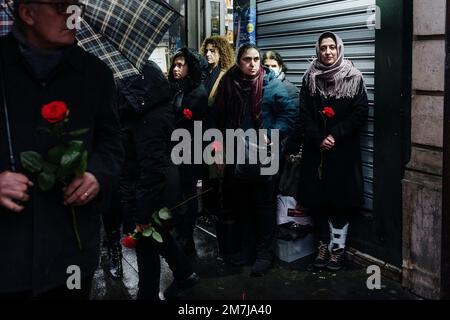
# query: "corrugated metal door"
[291,27]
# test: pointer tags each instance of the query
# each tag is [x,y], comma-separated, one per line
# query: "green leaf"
[157,221]
[77,133]
[49,167]
[31,161]
[55,154]
[46,181]
[76,145]
[70,161]
[164,214]
[62,176]
[83,164]
[148,232]
[157,236]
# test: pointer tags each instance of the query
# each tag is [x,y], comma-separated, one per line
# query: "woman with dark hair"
[333,112]
[274,61]
[149,180]
[251,98]
[190,104]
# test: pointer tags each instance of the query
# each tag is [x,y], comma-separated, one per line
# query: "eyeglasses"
[61,7]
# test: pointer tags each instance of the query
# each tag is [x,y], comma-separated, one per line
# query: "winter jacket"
[292,90]
[148,122]
[40,243]
[278,111]
[190,94]
[342,182]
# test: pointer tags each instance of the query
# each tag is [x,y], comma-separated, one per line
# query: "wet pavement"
[220,281]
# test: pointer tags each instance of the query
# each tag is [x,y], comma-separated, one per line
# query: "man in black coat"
[41,63]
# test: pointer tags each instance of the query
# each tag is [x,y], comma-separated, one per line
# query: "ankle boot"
[115,256]
[337,247]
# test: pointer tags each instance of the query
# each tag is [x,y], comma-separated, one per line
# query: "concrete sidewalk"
[220,281]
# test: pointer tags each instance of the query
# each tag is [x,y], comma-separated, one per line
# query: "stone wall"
[422,184]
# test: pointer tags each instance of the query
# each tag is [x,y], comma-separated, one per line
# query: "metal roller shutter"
[291,27]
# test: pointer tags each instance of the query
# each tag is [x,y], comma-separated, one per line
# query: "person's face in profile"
[250,62]
[328,51]
[212,55]
[180,69]
[47,22]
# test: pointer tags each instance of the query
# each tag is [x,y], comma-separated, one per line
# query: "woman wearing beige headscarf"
[333,112]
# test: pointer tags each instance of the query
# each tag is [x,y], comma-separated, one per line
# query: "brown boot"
[323,256]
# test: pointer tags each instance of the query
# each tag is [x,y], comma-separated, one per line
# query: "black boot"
[115,256]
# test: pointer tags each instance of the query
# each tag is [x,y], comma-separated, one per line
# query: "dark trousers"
[187,217]
[112,220]
[149,264]
[59,293]
[148,250]
[338,217]
[211,200]
[252,204]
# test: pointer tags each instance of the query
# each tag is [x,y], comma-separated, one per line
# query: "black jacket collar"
[11,53]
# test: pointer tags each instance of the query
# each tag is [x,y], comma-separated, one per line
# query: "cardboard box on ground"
[295,239]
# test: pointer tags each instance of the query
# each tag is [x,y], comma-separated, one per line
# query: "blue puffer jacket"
[278,109]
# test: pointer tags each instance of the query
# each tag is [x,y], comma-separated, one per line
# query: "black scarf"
[43,62]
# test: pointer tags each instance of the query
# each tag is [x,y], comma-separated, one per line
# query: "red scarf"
[238,95]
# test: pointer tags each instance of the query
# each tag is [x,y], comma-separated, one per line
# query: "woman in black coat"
[149,180]
[190,104]
[333,111]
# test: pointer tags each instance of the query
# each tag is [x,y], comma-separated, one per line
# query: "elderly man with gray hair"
[41,64]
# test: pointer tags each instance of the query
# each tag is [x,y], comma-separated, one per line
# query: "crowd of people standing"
[129,174]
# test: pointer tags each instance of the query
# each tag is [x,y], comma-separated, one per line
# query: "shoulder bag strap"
[214,88]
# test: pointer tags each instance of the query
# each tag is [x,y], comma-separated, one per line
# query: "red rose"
[55,111]
[129,241]
[187,114]
[328,112]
